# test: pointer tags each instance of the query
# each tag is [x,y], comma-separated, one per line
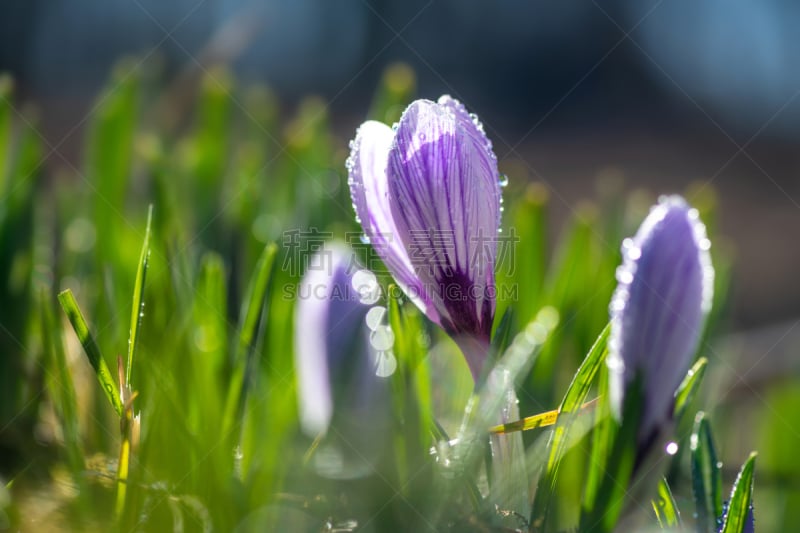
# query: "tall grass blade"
[137,307]
[689,387]
[64,393]
[666,508]
[706,476]
[73,312]
[251,312]
[736,519]
[572,402]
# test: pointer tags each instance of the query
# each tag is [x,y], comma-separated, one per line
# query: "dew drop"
[364,237]
[382,338]
[385,364]
[503,180]
[671,448]
[422,137]
[366,286]
[375,317]
[624,275]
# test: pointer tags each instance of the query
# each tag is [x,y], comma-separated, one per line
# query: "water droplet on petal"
[503,180]
[364,237]
[422,137]
[624,275]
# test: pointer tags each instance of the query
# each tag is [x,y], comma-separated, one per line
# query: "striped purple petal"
[658,309]
[443,182]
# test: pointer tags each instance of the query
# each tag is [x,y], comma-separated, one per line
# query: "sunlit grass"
[161,393]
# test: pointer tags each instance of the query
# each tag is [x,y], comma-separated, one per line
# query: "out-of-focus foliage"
[203,420]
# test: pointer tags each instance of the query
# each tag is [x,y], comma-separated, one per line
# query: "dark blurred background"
[660,94]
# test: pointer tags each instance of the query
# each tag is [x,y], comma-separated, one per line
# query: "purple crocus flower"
[427,194]
[658,309]
[342,345]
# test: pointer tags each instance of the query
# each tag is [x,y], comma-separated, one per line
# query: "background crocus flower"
[658,309]
[427,194]
[342,346]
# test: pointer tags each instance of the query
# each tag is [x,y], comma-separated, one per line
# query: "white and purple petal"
[334,359]
[369,190]
[659,307]
[427,194]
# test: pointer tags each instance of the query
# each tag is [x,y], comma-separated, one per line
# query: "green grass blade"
[484,408]
[255,296]
[502,332]
[572,402]
[109,157]
[73,312]
[617,470]
[254,302]
[137,307]
[741,498]
[411,391]
[584,377]
[527,266]
[665,507]
[602,442]
[706,476]
[64,393]
[573,276]
[688,388]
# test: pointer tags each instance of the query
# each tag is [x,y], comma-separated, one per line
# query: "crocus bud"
[658,309]
[342,345]
[427,194]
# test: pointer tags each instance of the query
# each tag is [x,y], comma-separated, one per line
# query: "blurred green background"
[236,141]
